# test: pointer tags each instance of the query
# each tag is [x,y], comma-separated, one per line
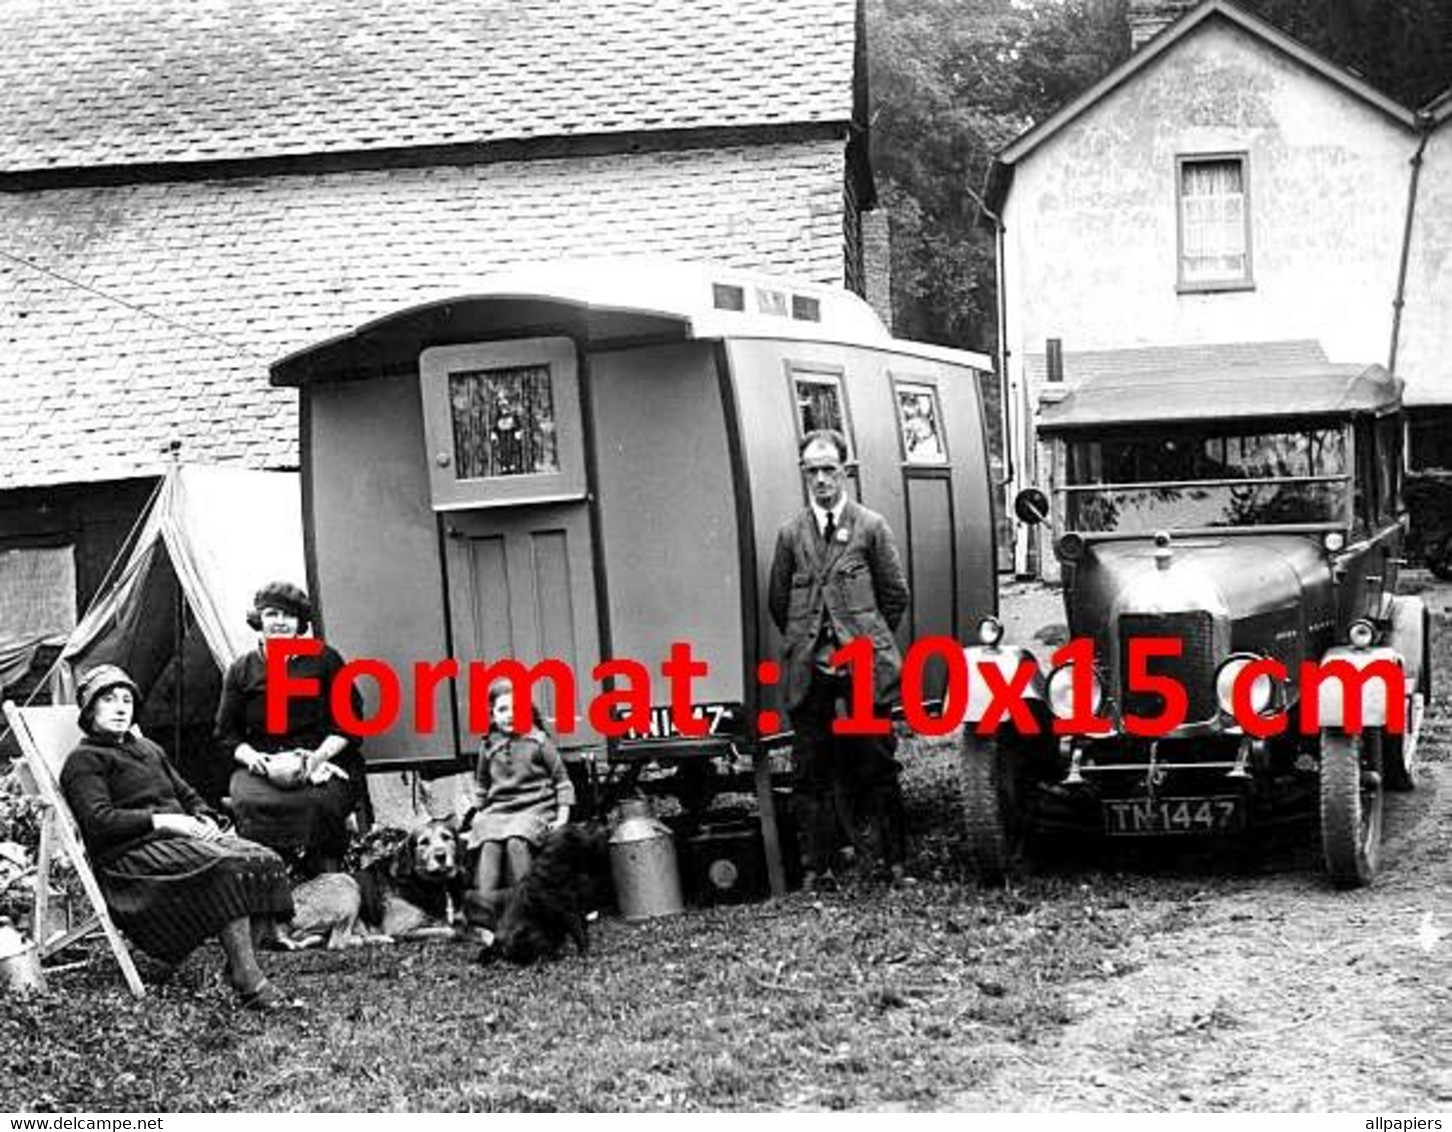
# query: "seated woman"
[292,790]
[170,876]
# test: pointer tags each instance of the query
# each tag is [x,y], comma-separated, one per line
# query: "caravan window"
[504,422]
[920,421]
[821,403]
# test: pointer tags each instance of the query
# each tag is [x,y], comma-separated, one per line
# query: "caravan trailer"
[590,460]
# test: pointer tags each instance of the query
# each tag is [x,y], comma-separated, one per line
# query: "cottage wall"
[1091,248]
[1424,350]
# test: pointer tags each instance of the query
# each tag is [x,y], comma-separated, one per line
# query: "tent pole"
[179,700]
[179,622]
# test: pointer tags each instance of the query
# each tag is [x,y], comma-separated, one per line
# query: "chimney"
[1053,389]
[1147,18]
[877,263]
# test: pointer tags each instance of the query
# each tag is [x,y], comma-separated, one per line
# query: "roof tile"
[128,81]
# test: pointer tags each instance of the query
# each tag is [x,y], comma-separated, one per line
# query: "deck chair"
[46,735]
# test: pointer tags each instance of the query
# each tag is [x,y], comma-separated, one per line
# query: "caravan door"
[520,585]
[503,428]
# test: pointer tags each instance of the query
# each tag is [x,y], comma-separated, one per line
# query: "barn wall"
[266,266]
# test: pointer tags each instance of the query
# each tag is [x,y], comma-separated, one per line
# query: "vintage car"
[1207,526]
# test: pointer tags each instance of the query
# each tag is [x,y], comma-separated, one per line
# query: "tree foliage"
[1401,47]
[953,81]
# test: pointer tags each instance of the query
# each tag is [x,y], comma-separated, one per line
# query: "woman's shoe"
[267,998]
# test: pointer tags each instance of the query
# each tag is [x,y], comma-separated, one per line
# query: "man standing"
[837,576]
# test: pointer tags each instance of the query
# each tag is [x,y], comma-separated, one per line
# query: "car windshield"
[1180,480]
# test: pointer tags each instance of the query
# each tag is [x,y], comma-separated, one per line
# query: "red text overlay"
[1011,692]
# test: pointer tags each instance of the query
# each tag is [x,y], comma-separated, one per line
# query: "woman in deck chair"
[170,876]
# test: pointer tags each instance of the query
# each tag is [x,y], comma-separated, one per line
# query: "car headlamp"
[1061,691]
[1262,686]
[1070,547]
[1361,634]
[990,631]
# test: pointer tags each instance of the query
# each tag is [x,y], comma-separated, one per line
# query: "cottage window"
[1214,213]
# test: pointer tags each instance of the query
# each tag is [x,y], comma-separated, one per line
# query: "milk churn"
[19,961]
[643,864]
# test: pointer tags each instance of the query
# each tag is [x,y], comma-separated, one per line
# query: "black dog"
[569,878]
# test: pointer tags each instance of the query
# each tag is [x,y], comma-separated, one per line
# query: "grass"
[870,997]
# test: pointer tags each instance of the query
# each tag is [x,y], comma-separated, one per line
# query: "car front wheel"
[992,821]
[1351,805]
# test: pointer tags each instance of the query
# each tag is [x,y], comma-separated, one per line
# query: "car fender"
[1407,635]
[1331,694]
[1005,658]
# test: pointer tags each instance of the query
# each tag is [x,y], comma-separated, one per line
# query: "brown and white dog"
[415,892]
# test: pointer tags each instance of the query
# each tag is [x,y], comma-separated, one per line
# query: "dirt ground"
[1285,994]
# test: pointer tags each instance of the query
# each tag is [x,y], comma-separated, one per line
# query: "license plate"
[1146,816]
[720,719]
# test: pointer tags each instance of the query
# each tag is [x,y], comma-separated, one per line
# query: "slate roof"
[144,307]
[119,82]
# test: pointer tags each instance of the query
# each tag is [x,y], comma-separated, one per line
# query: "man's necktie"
[830,528]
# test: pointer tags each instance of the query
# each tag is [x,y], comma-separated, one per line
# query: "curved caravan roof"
[1224,393]
[610,299]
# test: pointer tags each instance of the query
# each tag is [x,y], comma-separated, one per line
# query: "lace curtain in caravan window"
[1212,221]
[504,422]
[819,405]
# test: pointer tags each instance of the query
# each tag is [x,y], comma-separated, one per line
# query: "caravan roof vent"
[806,309]
[728,297]
[769,301]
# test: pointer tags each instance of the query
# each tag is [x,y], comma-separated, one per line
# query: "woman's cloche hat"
[284,596]
[100,679]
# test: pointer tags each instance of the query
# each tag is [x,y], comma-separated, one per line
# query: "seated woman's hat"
[100,679]
[284,596]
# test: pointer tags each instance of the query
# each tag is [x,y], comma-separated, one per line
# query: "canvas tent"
[174,615]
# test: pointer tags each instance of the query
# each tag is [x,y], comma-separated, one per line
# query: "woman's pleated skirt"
[170,893]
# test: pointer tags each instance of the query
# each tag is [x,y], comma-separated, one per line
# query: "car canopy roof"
[1223,393]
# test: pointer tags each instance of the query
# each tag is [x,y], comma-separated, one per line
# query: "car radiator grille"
[1193,669]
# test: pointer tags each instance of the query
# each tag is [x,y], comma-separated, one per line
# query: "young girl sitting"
[521,791]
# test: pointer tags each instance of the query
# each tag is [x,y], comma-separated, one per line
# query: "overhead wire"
[119,301]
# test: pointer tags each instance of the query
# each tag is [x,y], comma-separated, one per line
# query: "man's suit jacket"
[858,580]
